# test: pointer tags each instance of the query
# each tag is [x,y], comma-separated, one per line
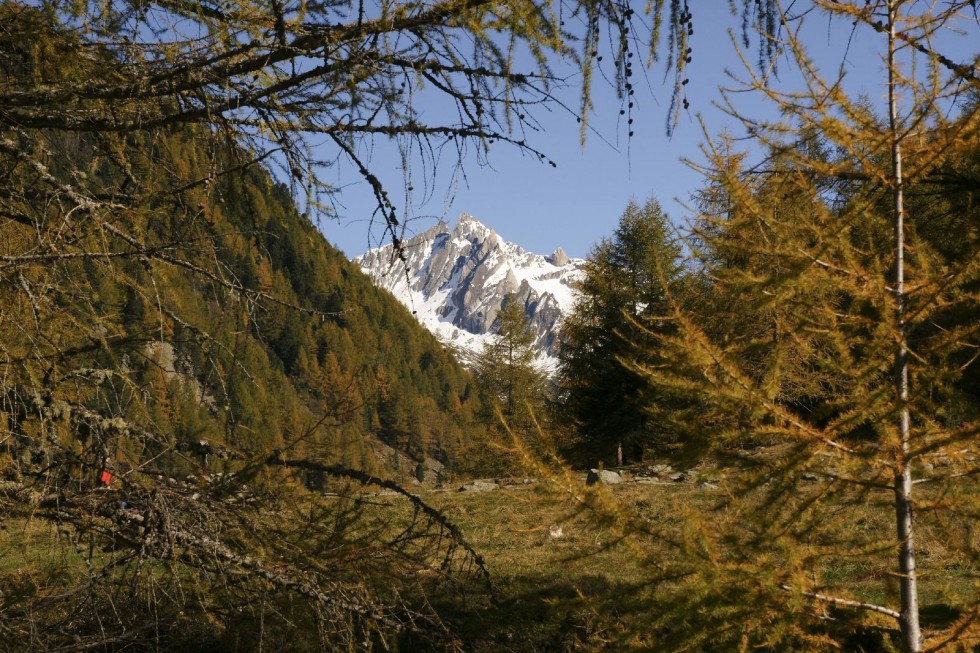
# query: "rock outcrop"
[455,280]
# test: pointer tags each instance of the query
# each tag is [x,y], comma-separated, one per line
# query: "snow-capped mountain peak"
[455,280]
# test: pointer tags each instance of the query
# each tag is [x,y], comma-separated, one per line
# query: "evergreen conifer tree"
[506,370]
[627,282]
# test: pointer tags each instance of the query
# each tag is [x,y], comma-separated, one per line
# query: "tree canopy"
[507,373]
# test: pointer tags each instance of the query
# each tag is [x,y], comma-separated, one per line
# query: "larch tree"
[132,323]
[833,355]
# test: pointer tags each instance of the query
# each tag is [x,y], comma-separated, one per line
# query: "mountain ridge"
[455,279]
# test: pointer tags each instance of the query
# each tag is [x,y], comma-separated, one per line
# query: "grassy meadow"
[572,567]
[623,562]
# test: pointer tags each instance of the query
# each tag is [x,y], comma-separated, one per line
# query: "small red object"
[105,478]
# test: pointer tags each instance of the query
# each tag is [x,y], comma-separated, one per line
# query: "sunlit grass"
[571,566]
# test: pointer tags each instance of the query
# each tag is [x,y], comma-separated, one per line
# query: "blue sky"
[576,204]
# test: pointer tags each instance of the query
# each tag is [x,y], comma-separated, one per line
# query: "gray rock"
[479,486]
[678,477]
[604,476]
[662,470]
[389,457]
[559,258]
[647,480]
[429,470]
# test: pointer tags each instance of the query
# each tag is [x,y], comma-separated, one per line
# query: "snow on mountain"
[454,281]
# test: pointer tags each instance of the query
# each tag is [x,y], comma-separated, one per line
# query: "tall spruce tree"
[627,282]
[507,372]
[838,338]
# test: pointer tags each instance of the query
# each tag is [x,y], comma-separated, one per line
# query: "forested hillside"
[279,333]
[301,336]
[219,314]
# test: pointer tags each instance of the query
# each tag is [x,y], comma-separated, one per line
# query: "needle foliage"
[831,356]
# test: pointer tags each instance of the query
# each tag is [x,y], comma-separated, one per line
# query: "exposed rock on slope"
[454,280]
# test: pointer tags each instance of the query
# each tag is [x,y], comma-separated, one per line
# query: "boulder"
[429,470]
[603,476]
[661,470]
[479,486]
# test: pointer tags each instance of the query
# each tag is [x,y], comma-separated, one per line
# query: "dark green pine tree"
[628,278]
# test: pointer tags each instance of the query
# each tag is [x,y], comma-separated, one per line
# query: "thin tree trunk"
[911,633]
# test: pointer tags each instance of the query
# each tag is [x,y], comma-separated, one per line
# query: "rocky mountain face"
[454,281]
